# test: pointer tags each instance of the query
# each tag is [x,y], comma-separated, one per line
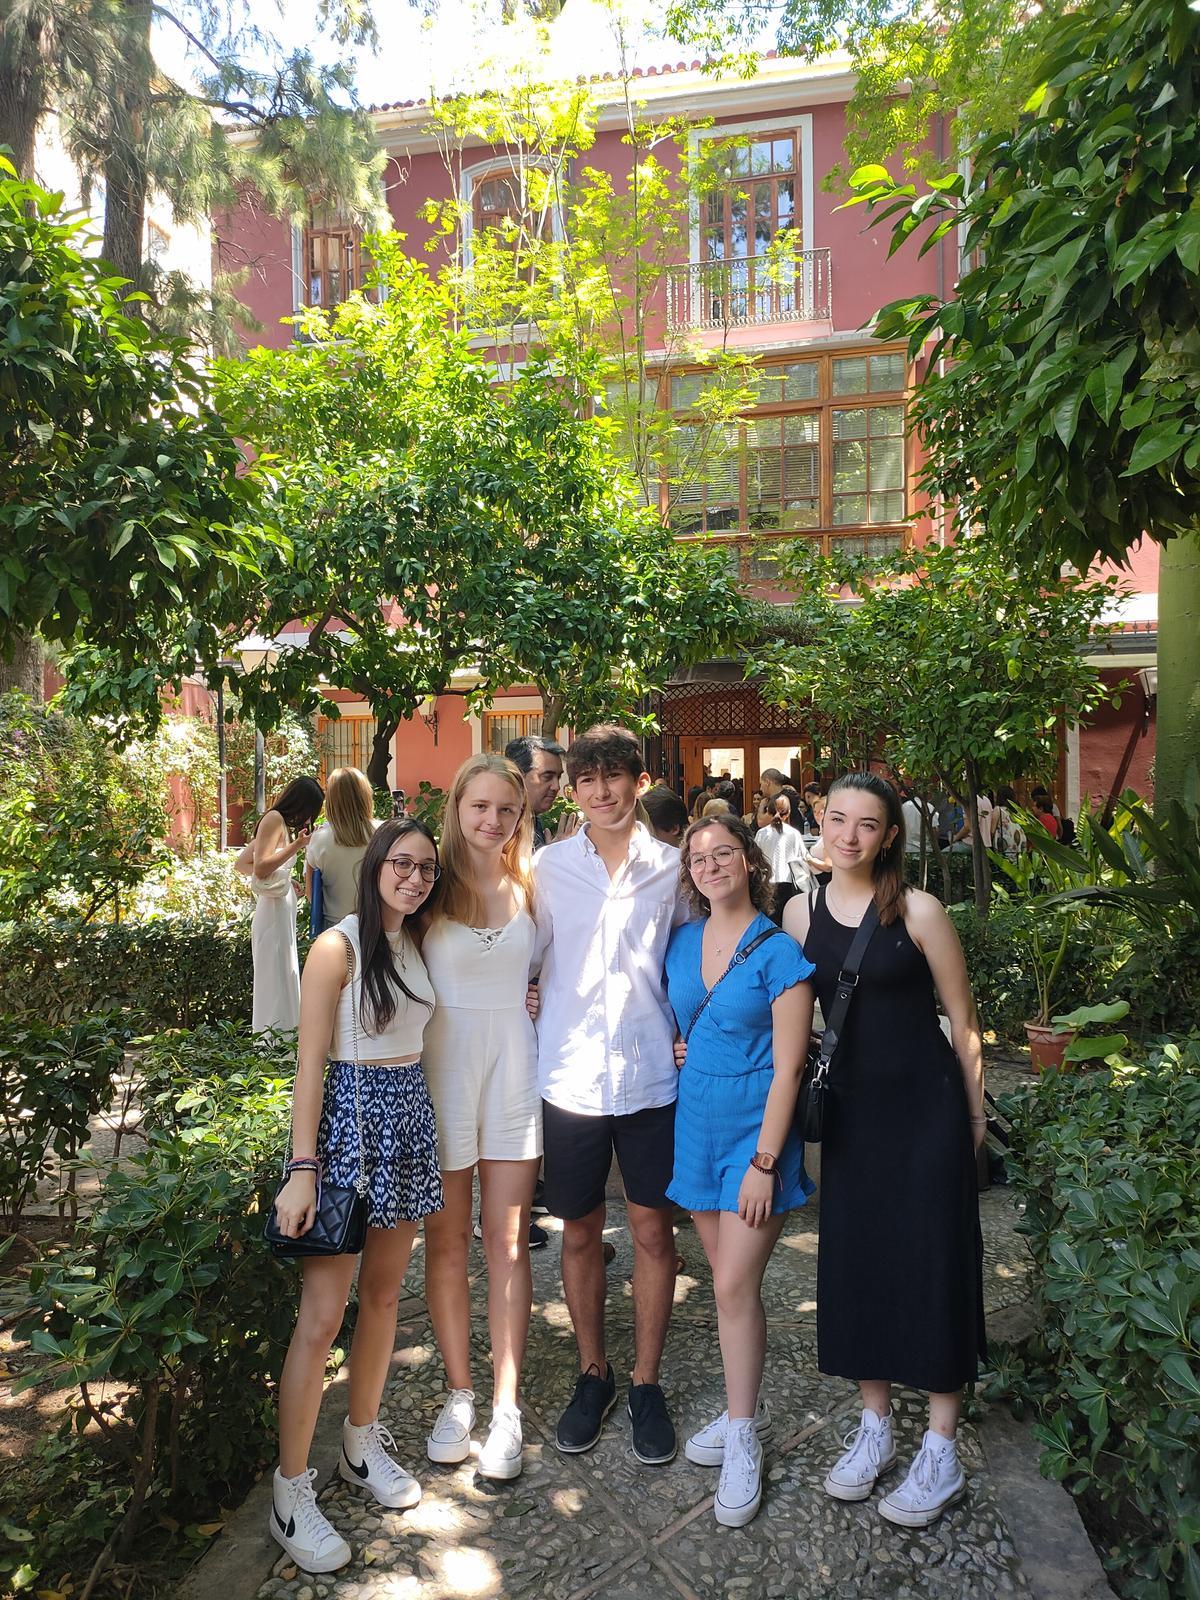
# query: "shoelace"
[447,1415]
[379,1441]
[506,1429]
[862,1439]
[923,1473]
[310,1519]
[737,1472]
[588,1386]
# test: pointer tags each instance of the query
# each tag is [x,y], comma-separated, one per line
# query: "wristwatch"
[765,1162]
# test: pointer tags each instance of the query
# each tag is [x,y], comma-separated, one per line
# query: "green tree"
[437,520]
[121,483]
[1065,419]
[954,666]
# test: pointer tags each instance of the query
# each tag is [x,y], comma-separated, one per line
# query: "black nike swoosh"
[363,1471]
[290,1529]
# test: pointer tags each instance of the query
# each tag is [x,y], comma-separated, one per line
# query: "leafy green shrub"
[203,887]
[52,1082]
[168,1294]
[163,974]
[80,823]
[1107,1164]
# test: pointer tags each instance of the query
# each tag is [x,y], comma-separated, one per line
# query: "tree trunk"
[980,871]
[1177,744]
[23,670]
[381,753]
[25,49]
[125,178]
[553,710]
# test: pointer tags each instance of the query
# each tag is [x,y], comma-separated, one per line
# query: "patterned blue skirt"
[404,1182]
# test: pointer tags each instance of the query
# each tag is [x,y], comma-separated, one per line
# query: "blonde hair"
[350,807]
[458,898]
[716,807]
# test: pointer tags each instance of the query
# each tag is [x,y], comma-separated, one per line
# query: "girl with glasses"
[481,1058]
[739,1164]
[360,1099]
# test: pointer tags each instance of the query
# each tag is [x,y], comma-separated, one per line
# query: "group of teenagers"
[485,1007]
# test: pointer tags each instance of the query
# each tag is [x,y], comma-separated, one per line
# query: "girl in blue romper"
[739,1164]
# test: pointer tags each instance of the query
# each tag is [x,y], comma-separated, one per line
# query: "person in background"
[916,820]
[668,814]
[338,846]
[282,833]
[360,1099]
[772,781]
[481,1064]
[900,1256]
[540,763]
[739,1162]
[1043,809]
[809,800]
[399,803]
[783,848]
[699,796]
[1008,836]
[717,807]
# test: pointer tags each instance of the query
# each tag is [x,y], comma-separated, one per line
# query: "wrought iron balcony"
[750,291]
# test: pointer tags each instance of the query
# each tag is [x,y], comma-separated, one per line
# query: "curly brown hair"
[758,868]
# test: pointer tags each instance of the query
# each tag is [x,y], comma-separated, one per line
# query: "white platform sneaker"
[366,1463]
[301,1527]
[450,1440]
[871,1453]
[739,1493]
[935,1480]
[502,1455]
[707,1446]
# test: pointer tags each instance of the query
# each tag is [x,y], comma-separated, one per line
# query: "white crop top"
[404,1033]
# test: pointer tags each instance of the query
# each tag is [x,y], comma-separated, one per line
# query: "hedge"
[1107,1163]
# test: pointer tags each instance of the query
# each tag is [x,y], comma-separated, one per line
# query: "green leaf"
[1176,1367]
[1154,445]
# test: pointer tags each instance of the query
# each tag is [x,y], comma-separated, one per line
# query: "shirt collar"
[637,844]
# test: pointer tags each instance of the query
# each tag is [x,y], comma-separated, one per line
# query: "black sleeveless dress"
[900,1264]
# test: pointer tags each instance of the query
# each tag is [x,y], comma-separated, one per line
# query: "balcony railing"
[750,291]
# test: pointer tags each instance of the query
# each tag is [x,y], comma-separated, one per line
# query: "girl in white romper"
[480,1056]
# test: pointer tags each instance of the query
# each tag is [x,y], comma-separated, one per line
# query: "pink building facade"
[824,455]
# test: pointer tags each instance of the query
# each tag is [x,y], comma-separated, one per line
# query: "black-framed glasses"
[720,856]
[405,866]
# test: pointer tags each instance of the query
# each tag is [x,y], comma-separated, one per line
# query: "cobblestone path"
[601,1524]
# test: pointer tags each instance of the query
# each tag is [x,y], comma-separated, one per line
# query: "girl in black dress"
[900,1267]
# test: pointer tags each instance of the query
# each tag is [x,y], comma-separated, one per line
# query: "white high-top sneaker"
[450,1440]
[300,1526]
[935,1480]
[871,1453]
[366,1463]
[502,1455]
[739,1493]
[706,1447]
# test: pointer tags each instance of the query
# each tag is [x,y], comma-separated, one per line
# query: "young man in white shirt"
[606,901]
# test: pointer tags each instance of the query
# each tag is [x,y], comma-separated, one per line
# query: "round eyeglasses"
[720,856]
[405,866]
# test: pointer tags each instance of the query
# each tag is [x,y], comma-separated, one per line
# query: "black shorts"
[579,1152]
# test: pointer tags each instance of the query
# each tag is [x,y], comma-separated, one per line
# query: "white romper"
[480,1048]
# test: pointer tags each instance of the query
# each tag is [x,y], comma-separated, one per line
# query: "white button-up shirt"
[606,1031]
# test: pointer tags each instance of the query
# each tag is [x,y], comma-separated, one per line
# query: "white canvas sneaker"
[502,1454]
[707,1446]
[300,1526]
[935,1480]
[739,1492]
[871,1453]
[450,1440]
[366,1463]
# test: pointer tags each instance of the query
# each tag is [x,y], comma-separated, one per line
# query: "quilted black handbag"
[814,1087]
[340,1225]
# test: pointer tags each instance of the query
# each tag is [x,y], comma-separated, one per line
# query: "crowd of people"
[640,984]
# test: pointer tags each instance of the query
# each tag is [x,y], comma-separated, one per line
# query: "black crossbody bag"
[814,1088]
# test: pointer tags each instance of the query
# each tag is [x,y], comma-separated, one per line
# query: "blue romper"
[724,1084]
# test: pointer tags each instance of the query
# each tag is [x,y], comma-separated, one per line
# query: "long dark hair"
[758,868]
[380,979]
[890,887]
[300,803]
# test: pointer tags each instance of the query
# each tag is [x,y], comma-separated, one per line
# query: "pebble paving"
[601,1524]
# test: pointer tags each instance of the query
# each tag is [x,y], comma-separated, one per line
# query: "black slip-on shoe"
[653,1431]
[580,1424]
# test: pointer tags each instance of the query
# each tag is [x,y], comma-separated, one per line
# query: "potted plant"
[1049,920]
[1085,1047]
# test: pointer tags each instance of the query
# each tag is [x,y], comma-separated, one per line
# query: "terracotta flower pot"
[1046,1045]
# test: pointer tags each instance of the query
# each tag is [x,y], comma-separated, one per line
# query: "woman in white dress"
[338,846]
[282,833]
[480,1058]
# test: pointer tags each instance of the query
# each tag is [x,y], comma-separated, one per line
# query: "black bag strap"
[846,984]
[736,960]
